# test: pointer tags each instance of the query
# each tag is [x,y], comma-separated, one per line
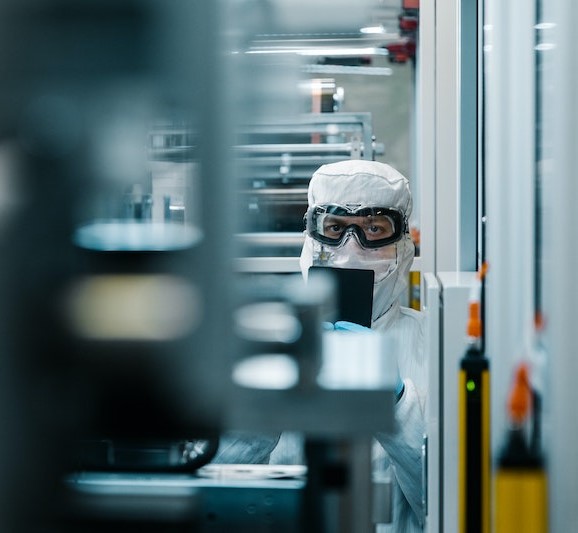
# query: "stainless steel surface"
[267,265]
[219,499]
[246,498]
[331,413]
[282,265]
[285,195]
[343,148]
[300,165]
[271,238]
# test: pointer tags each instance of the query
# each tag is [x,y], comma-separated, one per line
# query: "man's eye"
[333,228]
[372,228]
[379,231]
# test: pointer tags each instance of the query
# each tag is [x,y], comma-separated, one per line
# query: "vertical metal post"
[560,260]
[509,178]
[447,135]
[338,496]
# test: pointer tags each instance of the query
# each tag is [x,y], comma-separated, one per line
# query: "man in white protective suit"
[357,217]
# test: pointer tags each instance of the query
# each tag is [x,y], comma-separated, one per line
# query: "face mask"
[383,261]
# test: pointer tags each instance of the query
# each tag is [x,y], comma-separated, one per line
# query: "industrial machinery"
[119,283]
[277,159]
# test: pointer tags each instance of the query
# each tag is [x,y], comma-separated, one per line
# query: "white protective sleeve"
[403,451]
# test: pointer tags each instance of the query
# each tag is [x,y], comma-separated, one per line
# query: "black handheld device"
[354,293]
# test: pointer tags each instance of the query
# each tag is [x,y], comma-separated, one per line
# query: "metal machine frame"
[279,172]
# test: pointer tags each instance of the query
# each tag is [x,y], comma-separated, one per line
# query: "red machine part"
[401,51]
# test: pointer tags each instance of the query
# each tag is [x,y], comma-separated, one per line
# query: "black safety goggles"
[373,227]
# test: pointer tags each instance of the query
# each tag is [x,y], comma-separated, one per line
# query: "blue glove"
[342,325]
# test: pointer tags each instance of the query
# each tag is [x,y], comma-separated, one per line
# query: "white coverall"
[373,184]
